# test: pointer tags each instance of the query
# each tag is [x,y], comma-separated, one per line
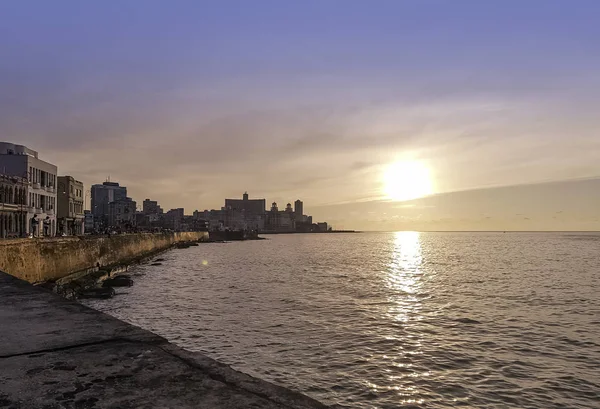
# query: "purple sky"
[187,102]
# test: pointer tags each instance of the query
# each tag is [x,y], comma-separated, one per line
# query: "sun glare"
[407,180]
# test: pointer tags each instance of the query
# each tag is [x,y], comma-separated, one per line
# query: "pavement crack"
[73,346]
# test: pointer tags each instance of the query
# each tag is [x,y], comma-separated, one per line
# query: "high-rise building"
[39,184]
[102,196]
[298,209]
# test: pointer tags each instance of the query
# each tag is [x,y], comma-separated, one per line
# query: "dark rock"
[98,293]
[118,282]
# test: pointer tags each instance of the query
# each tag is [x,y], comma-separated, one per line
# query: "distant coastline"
[310,232]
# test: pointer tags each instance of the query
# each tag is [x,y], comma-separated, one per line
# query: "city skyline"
[188,104]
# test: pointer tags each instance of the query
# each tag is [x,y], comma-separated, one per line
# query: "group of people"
[35,222]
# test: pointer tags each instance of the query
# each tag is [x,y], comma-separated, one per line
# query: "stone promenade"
[56,353]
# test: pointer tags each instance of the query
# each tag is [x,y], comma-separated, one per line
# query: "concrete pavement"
[56,353]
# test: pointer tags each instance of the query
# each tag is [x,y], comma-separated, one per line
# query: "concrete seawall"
[38,260]
[56,353]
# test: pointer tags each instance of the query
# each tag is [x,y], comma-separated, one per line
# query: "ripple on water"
[432,320]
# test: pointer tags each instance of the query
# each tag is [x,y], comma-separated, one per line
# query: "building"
[280,221]
[88,221]
[174,219]
[151,207]
[299,210]
[40,186]
[122,214]
[70,206]
[151,215]
[248,206]
[102,196]
[13,206]
[322,226]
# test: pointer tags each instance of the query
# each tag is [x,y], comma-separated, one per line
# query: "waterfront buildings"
[299,210]
[237,214]
[151,207]
[102,196]
[248,206]
[38,179]
[70,206]
[322,226]
[250,214]
[13,206]
[280,221]
[121,213]
[174,219]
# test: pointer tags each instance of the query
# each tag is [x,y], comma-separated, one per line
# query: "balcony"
[36,185]
[10,206]
[39,210]
[50,212]
[30,209]
[50,189]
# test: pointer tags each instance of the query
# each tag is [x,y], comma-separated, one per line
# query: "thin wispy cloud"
[187,104]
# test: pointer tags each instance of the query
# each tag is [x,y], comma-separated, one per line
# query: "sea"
[388,320]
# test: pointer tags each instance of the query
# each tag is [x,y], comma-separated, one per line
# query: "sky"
[189,102]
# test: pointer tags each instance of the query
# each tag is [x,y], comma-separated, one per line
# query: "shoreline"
[312,232]
[56,350]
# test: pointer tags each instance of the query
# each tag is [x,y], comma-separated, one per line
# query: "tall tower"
[298,209]
[245,196]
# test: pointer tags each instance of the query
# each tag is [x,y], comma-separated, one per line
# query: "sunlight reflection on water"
[404,282]
[385,320]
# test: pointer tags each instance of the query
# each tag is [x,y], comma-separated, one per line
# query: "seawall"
[58,353]
[39,260]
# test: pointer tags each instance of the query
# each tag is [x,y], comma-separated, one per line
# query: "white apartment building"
[20,161]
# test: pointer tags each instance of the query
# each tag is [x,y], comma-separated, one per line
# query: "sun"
[407,180]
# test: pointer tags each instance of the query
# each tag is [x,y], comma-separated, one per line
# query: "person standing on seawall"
[34,225]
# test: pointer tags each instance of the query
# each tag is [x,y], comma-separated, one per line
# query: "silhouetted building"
[174,219]
[249,206]
[151,207]
[280,221]
[102,196]
[299,209]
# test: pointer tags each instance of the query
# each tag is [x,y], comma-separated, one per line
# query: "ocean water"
[389,320]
